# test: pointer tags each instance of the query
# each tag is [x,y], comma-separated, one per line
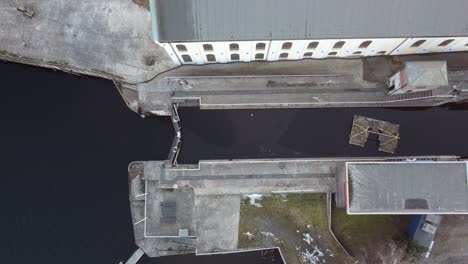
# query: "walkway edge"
[135,257]
[329,214]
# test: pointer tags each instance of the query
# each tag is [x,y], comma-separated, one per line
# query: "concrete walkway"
[135,257]
[112,39]
[91,37]
[297,84]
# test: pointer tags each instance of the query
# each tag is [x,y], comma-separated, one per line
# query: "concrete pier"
[195,208]
[135,257]
[297,84]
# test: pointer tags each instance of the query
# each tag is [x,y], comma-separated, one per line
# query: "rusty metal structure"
[388,133]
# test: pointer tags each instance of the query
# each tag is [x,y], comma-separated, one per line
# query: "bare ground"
[142,3]
[451,241]
[362,231]
[296,223]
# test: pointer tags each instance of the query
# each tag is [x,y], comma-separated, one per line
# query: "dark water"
[65,146]
[289,133]
[66,142]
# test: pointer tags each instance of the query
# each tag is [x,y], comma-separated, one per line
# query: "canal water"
[66,142]
[302,133]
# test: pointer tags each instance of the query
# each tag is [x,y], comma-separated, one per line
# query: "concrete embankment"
[113,41]
[98,38]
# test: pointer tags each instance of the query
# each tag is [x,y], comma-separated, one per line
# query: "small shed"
[423,229]
[417,76]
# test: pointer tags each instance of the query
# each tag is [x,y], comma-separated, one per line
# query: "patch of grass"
[289,252]
[59,63]
[6,53]
[301,209]
[244,240]
[356,231]
[287,217]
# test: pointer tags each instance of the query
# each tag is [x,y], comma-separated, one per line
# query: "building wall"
[274,50]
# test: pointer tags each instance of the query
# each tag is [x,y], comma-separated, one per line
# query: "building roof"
[427,73]
[407,188]
[224,20]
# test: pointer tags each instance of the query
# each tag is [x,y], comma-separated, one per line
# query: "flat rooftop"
[407,187]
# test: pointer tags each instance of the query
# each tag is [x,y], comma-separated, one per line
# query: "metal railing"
[177,142]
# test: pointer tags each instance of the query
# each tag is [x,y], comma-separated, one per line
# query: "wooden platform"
[388,133]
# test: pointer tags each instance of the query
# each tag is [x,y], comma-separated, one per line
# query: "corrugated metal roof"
[408,187]
[217,20]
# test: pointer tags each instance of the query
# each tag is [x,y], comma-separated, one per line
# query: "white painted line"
[144,226]
[281,254]
[279,104]
[304,160]
[140,221]
[256,76]
[429,249]
[406,162]
[171,236]
[307,191]
[238,251]
[410,213]
[253,161]
[325,103]
[347,187]
[466,169]
[139,195]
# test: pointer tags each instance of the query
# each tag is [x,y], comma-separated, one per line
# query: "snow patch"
[284,197]
[312,258]
[313,254]
[253,199]
[249,235]
[307,238]
[270,235]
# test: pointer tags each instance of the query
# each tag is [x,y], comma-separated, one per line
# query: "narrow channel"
[66,142]
[306,133]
